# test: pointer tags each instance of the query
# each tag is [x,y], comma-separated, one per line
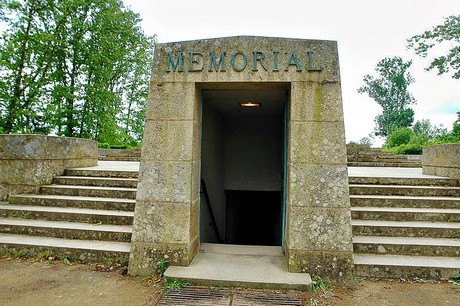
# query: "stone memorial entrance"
[244,144]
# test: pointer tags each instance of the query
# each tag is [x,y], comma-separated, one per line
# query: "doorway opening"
[242,166]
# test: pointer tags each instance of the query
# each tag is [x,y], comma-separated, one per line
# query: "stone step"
[73,249]
[406,246]
[240,265]
[66,230]
[382,159]
[101,173]
[361,180]
[119,158]
[402,190]
[89,191]
[405,228]
[385,164]
[71,214]
[405,214]
[73,201]
[406,267]
[96,181]
[404,201]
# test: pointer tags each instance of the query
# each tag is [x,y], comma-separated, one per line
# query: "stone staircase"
[120,154]
[406,227]
[402,227]
[85,215]
[363,156]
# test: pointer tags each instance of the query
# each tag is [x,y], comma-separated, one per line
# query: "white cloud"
[366,31]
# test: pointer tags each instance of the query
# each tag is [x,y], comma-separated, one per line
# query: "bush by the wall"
[412,148]
[103,145]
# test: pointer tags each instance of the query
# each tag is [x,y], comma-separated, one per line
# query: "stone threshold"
[262,267]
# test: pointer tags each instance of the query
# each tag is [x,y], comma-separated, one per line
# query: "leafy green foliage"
[317,283]
[162,265]
[366,141]
[399,137]
[447,32]
[455,280]
[78,68]
[412,141]
[177,284]
[390,90]
[103,145]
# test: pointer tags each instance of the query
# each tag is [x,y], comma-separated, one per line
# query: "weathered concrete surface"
[240,266]
[442,160]
[28,161]
[318,222]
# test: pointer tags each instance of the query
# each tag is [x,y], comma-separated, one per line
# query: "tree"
[24,64]
[78,68]
[390,90]
[447,32]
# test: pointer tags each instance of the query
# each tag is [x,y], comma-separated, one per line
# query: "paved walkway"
[388,172]
[352,171]
[114,166]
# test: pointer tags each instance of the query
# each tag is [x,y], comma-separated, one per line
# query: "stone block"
[196,181]
[162,222]
[239,60]
[196,154]
[320,229]
[336,267]
[144,256]
[194,221]
[39,147]
[165,181]
[168,140]
[171,101]
[321,143]
[316,101]
[29,171]
[442,160]
[314,185]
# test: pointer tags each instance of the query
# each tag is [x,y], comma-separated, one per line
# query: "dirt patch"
[390,292]
[32,282]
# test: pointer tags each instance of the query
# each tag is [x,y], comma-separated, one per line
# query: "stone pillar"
[318,233]
[166,213]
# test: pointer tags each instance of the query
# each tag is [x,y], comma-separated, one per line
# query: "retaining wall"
[442,160]
[28,161]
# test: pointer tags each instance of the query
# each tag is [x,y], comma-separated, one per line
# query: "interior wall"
[241,164]
[253,153]
[212,172]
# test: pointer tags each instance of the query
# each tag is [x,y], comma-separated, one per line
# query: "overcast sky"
[366,32]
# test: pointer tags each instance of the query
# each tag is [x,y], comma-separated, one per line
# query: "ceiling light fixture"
[250,104]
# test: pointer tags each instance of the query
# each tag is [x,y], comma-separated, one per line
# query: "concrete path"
[352,171]
[113,166]
[388,172]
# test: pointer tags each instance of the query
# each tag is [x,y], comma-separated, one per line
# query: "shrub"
[400,136]
[121,146]
[103,145]
[412,148]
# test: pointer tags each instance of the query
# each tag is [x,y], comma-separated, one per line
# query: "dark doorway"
[242,166]
[253,217]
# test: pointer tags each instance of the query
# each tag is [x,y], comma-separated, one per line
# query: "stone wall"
[28,161]
[442,160]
